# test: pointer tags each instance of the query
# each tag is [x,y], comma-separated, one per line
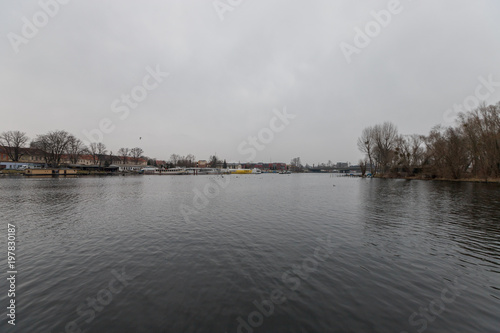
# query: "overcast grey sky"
[227,76]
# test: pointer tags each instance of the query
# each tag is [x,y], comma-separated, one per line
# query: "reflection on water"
[397,245]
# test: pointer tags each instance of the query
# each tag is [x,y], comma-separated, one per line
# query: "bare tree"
[482,131]
[185,161]
[13,143]
[53,144]
[362,166]
[366,144]
[75,149]
[409,152]
[190,159]
[136,154]
[296,164]
[384,137]
[101,153]
[213,161]
[123,153]
[111,159]
[182,161]
[447,153]
[457,156]
[94,153]
[174,159]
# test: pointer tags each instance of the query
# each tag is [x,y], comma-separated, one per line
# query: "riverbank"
[18,173]
[468,180]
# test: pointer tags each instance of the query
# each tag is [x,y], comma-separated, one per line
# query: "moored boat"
[150,171]
[174,171]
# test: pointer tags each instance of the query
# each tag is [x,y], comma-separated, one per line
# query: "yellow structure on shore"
[240,171]
[49,172]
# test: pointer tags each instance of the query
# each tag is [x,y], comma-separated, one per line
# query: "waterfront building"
[30,157]
[35,158]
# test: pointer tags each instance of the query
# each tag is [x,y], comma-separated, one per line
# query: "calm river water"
[255,253]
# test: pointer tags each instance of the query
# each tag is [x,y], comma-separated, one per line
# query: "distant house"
[36,158]
[234,166]
[131,164]
[161,163]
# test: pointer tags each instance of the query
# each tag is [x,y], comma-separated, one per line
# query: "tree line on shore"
[297,166]
[189,161]
[469,149]
[53,146]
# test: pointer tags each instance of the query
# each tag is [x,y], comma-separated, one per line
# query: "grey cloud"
[226,77]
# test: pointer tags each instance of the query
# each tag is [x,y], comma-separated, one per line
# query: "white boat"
[174,171]
[150,171]
[256,171]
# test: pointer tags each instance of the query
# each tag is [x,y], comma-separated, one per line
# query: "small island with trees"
[469,150]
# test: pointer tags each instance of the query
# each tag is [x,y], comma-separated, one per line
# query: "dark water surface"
[118,254]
